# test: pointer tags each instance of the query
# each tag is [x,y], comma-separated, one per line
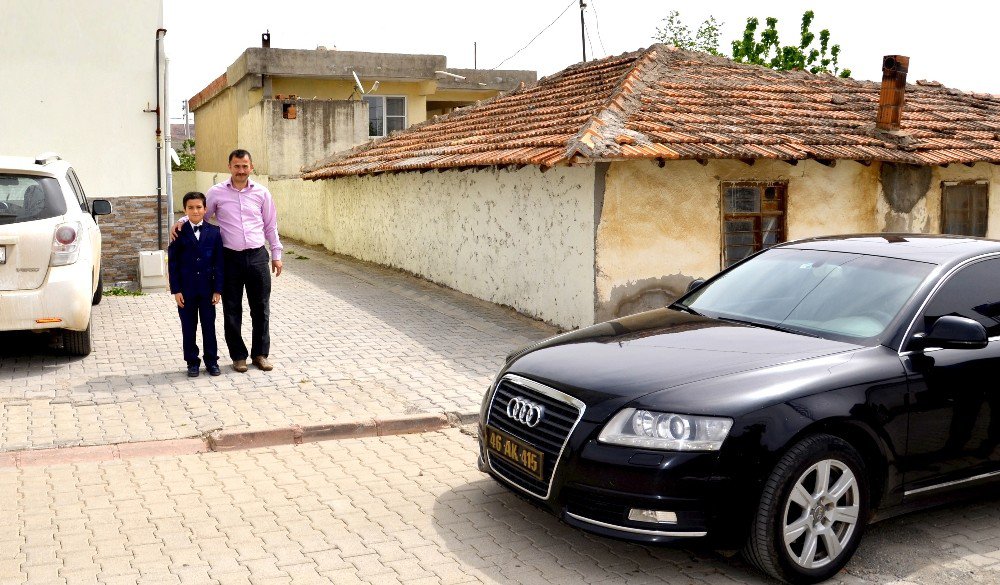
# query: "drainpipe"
[168,139]
[159,145]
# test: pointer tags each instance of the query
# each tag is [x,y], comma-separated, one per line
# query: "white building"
[80,79]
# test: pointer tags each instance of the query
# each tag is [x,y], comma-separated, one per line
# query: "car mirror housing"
[694,284]
[100,207]
[952,332]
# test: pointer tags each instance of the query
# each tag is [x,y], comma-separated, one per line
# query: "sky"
[951,42]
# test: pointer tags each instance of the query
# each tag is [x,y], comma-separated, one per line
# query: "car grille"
[562,413]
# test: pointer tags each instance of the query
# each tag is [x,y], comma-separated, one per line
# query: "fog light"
[655,516]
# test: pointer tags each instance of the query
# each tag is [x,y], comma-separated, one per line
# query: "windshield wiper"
[768,326]
[684,308]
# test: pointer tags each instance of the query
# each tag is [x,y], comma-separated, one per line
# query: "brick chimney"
[892,95]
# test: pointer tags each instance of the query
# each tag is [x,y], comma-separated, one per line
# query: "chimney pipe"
[892,95]
[265,39]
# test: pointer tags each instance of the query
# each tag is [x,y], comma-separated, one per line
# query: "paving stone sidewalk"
[349,340]
[407,509]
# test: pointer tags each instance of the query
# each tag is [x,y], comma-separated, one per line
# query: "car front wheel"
[812,512]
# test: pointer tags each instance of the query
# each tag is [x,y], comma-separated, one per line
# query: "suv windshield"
[29,197]
[828,294]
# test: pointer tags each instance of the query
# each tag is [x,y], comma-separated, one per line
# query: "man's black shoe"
[193,371]
[213,370]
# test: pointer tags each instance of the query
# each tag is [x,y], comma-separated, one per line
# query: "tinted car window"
[972,292]
[29,198]
[81,197]
[829,294]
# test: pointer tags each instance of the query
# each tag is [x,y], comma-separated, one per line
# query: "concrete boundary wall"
[520,238]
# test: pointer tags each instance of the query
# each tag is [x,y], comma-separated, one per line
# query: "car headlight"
[649,429]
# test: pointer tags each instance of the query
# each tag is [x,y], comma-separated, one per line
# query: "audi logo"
[525,411]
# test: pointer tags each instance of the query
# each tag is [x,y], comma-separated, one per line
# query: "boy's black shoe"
[193,371]
[213,370]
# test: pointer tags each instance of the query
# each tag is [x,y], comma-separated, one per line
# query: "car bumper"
[595,486]
[65,295]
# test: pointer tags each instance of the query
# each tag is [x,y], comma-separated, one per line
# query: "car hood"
[610,364]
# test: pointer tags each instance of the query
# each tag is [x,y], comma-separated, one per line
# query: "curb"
[223,441]
[353,429]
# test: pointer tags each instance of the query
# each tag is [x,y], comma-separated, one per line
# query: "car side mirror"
[694,284]
[100,207]
[952,332]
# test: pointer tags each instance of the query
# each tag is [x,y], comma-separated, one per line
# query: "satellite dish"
[374,87]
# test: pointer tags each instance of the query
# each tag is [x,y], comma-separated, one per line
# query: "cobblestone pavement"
[405,509]
[349,340]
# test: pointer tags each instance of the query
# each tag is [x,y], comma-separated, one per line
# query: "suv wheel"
[78,342]
[812,512]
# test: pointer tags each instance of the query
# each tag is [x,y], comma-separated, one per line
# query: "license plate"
[524,456]
[3,254]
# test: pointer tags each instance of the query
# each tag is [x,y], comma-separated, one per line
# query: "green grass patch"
[120,291]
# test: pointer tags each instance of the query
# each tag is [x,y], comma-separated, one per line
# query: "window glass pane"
[742,200]
[27,198]
[393,123]
[769,239]
[395,106]
[740,239]
[736,253]
[375,115]
[964,210]
[974,292]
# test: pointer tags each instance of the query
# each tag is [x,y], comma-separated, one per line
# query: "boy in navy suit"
[194,260]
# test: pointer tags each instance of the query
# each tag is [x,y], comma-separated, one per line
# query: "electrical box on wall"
[153,270]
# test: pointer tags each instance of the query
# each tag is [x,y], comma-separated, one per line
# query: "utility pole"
[583,40]
[474,65]
[187,127]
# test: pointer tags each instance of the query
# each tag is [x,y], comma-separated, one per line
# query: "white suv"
[50,250]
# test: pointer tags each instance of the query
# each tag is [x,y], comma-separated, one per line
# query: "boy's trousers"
[195,309]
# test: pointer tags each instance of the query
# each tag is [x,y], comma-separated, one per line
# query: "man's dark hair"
[194,195]
[240,153]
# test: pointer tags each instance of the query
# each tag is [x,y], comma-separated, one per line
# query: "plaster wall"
[320,128]
[662,227]
[518,238]
[215,127]
[76,82]
[925,216]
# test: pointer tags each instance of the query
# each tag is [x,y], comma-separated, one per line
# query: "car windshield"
[821,293]
[29,197]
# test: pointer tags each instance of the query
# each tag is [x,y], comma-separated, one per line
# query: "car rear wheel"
[78,342]
[812,512]
[99,293]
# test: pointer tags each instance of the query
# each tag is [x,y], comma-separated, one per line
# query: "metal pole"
[583,40]
[474,66]
[187,125]
[159,149]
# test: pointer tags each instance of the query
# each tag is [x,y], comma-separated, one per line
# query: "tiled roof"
[666,103]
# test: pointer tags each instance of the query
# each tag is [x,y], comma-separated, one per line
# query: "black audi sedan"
[778,408]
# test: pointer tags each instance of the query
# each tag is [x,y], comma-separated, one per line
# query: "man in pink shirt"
[245,212]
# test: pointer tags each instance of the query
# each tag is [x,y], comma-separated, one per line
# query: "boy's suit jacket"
[195,265]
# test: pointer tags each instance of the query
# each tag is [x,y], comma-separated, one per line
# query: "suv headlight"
[649,429]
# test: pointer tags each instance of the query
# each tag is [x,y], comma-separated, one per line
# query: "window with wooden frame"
[965,206]
[753,217]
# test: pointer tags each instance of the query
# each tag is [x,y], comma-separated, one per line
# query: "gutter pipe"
[159,145]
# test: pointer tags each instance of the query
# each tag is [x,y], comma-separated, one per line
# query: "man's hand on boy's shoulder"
[175,230]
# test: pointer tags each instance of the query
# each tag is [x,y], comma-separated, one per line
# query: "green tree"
[675,32]
[186,154]
[767,50]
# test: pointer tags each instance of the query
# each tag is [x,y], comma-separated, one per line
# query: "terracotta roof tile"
[666,103]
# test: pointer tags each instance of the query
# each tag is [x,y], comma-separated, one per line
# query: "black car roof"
[935,249]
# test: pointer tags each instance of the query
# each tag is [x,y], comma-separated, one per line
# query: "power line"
[589,42]
[572,2]
[597,23]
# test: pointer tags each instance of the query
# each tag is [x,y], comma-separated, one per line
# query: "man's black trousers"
[250,269]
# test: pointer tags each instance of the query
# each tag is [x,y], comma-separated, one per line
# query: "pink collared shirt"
[246,217]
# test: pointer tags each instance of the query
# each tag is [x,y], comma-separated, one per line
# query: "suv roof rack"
[46,157]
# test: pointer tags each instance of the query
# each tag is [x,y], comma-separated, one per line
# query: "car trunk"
[27,247]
